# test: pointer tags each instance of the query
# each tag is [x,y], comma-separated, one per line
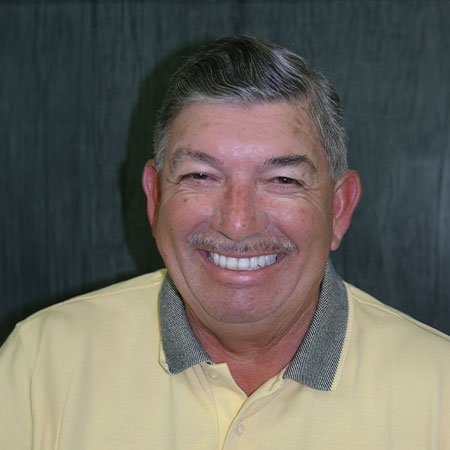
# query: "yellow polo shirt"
[112,370]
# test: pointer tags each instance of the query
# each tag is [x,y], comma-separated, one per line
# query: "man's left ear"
[150,184]
[347,193]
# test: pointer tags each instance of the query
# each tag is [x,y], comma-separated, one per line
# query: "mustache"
[272,245]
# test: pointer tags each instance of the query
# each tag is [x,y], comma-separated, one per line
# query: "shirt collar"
[316,360]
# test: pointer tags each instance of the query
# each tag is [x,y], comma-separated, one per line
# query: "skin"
[245,181]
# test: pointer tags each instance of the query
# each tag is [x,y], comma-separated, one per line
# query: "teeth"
[253,263]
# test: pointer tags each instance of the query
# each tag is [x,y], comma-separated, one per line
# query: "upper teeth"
[253,263]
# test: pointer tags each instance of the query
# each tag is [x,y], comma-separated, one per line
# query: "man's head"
[247,70]
[250,190]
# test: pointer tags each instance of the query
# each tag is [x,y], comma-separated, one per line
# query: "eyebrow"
[277,161]
[183,153]
[290,160]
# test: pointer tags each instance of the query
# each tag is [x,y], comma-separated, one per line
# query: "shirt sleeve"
[15,409]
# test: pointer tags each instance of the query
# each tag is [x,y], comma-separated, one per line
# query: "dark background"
[81,80]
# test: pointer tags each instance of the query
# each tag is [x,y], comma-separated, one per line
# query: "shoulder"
[376,311]
[105,314]
[117,295]
[391,333]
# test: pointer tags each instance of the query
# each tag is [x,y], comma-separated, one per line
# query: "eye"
[286,181]
[286,185]
[195,176]
[197,180]
[198,176]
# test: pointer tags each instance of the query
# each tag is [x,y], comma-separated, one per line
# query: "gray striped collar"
[316,361]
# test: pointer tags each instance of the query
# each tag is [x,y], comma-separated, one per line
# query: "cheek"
[179,215]
[303,222]
[298,224]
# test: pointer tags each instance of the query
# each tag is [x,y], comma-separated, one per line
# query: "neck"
[254,353]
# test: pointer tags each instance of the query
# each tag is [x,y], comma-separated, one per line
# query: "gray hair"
[248,70]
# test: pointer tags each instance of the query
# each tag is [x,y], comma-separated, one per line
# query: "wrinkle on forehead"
[298,120]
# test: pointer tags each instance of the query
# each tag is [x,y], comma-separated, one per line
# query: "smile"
[253,263]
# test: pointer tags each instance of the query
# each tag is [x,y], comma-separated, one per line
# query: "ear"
[347,193]
[150,183]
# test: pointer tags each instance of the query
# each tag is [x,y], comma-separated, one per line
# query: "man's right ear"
[150,183]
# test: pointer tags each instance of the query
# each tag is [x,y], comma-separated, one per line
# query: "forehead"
[240,131]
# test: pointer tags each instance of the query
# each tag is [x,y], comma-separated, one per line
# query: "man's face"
[244,211]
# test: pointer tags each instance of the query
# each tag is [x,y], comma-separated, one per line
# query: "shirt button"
[213,375]
[240,429]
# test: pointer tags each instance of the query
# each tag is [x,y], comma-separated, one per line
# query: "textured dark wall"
[80,82]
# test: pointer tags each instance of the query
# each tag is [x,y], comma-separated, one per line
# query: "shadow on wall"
[140,242]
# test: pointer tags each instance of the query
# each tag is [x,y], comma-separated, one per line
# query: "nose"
[239,214]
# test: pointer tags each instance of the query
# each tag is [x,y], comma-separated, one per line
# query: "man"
[250,340]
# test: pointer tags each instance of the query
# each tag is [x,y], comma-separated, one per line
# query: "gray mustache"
[273,245]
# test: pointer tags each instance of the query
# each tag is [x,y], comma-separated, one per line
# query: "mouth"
[244,264]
